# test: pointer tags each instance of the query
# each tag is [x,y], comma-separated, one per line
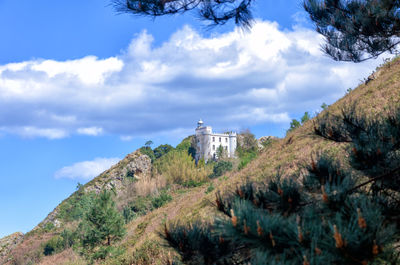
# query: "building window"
[226,148]
[219,139]
[226,140]
[213,147]
[213,139]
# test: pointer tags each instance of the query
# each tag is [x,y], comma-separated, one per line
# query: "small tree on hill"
[102,224]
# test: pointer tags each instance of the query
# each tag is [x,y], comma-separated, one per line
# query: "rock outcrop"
[134,166]
[8,243]
[264,140]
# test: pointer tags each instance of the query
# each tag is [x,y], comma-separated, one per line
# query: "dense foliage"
[356,30]
[336,215]
[220,168]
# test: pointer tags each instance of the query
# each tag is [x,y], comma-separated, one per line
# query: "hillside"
[143,243]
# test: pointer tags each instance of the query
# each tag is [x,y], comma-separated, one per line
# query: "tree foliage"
[356,30]
[294,124]
[161,150]
[102,224]
[215,12]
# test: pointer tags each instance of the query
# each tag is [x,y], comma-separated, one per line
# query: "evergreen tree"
[215,12]
[102,224]
[161,150]
[306,117]
[356,30]
[293,125]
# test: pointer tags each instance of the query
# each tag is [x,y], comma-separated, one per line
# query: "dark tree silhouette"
[356,30]
[217,12]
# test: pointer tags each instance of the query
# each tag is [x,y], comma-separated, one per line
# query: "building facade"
[207,142]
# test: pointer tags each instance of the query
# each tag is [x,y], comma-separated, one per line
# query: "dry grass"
[67,257]
[180,168]
[29,251]
[149,185]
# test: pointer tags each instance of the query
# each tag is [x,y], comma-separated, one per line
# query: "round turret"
[200,123]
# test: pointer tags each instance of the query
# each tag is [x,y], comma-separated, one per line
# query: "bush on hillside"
[161,150]
[187,145]
[146,150]
[247,148]
[58,243]
[179,167]
[220,168]
[142,205]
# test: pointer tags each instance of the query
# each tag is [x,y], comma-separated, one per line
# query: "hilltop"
[141,184]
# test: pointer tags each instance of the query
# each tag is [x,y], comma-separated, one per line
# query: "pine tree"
[215,12]
[356,30]
[102,224]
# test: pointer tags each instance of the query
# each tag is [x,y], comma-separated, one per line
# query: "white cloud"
[32,132]
[232,80]
[93,131]
[86,170]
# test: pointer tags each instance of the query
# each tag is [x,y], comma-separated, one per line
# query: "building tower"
[207,142]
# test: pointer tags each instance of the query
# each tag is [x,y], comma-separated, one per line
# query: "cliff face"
[8,243]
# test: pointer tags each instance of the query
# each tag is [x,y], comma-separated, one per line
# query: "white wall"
[208,143]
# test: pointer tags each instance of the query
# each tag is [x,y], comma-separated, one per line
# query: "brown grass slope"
[143,242]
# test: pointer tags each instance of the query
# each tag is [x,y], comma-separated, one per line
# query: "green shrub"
[161,199]
[58,243]
[220,168]
[210,188]
[142,205]
[48,227]
[146,150]
[246,158]
[161,150]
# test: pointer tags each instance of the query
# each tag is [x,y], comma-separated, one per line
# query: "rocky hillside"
[8,243]
[142,243]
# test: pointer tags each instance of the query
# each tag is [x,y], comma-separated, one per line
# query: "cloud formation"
[86,170]
[234,80]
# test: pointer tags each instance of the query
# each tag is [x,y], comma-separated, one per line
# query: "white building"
[207,142]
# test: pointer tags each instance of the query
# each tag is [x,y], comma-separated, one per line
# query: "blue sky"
[81,87]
